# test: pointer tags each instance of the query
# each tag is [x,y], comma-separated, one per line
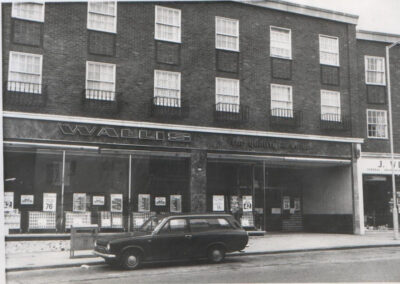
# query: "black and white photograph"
[200,141]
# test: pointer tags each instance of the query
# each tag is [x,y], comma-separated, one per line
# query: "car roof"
[198,215]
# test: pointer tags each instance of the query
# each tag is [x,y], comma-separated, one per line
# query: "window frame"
[337,47]
[386,124]
[291,100]
[179,90]
[40,73]
[41,20]
[237,36]
[339,106]
[179,40]
[217,94]
[290,57]
[114,78]
[97,13]
[366,57]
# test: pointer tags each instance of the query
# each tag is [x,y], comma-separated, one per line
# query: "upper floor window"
[227,97]
[100,81]
[102,16]
[168,24]
[377,123]
[25,72]
[280,42]
[375,70]
[330,106]
[227,34]
[329,50]
[167,88]
[281,100]
[32,10]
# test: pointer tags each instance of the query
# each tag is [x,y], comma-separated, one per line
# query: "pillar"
[358,196]
[198,181]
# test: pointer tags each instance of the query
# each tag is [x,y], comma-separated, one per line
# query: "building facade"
[117,111]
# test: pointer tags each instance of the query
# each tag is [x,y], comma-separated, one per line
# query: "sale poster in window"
[176,203]
[218,203]
[247,203]
[49,202]
[116,202]
[79,202]
[286,203]
[8,201]
[27,199]
[144,203]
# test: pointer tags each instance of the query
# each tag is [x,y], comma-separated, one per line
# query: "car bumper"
[104,255]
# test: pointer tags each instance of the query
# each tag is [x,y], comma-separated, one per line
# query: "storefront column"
[198,181]
[358,198]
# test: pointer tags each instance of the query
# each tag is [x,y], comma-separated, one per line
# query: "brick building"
[116,111]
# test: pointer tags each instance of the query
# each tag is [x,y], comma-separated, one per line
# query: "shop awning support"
[265,205]
[62,189]
[129,192]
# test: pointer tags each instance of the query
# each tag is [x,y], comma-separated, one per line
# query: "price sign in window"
[49,202]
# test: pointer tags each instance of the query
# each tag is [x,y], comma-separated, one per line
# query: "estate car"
[180,237]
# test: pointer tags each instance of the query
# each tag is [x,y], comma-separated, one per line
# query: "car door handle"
[188,236]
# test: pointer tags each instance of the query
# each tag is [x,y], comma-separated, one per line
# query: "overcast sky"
[374,15]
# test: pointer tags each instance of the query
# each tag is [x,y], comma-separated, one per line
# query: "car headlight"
[108,246]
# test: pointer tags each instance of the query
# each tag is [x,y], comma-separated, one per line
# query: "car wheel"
[131,259]
[216,254]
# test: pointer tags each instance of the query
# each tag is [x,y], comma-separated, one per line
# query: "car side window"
[174,226]
[219,223]
[199,225]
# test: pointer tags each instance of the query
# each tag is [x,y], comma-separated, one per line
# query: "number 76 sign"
[49,202]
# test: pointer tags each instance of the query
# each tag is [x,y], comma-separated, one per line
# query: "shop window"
[281,101]
[375,70]
[328,50]
[377,124]
[167,24]
[167,88]
[227,96]
[25,73]
[102,16]
[280,42]
[330,106]
[100,81]
[32,11]
[226,34]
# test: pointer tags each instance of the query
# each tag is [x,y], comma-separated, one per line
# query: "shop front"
[378,190]
[64,171]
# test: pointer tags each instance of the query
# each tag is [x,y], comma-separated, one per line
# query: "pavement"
[271,243]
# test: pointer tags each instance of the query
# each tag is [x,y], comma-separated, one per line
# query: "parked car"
[163,238]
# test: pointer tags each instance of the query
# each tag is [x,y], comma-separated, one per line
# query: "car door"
[201,236]
[172,241]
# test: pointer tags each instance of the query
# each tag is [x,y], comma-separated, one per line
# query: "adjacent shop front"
[377,186]
[66,171]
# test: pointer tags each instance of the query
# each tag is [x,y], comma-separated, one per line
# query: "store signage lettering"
[271,145]
[125,133]
[379,166]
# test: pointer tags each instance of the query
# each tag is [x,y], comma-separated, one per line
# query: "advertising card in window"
[286,203]
[26,199]
[176,203]
[79,202]
[235,205]
[98,200]
[144,203]
[8,201]
[160,201]
[247,203]
[116,202]
[49,202]
[218,203]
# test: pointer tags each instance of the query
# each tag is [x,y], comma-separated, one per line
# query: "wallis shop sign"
[123,133]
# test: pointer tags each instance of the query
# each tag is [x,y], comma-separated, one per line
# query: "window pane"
[102,16]
[280,42]
[167,24]
[28,11]
[227,34]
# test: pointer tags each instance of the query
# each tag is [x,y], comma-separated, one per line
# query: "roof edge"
[377,36]
[303,10]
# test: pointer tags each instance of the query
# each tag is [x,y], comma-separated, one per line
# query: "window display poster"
[79,202]
[144,203]
[286,203]
[98,200]
[176,203]
[8,201]
[297,204]
[160,201]
[49,202]
[247,203]
[234,203]
[116,202]
[26,199]
[218,202]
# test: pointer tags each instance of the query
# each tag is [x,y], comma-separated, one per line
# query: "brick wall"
[65,50]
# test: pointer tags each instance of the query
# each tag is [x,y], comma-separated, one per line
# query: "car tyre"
[216,254]
[131,259]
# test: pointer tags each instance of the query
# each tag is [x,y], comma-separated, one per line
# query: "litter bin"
[82,238]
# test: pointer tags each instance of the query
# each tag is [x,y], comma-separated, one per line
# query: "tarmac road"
[353,265]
